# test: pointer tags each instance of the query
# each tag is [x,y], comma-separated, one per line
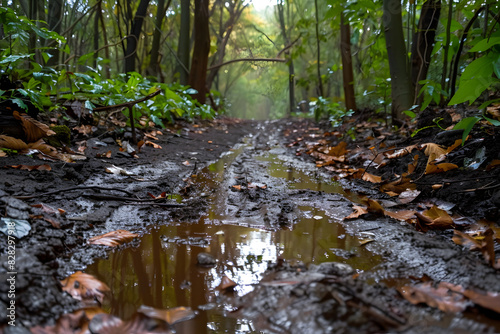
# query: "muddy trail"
[253,240]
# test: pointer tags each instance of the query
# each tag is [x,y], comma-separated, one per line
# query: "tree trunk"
[97,18]
[133,38]
[318,50]
[199,63]
[291,69]
[423,43]
[446,47]
[184,40]
[154,61]
[347,73]
[55,23]
[402,90]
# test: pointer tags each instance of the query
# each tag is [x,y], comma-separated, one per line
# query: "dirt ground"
[293,298]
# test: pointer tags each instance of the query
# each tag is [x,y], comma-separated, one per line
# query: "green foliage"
[481,73]
[431,91]
[322,107]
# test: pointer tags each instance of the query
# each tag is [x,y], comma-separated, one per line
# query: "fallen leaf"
[226,284]
[103,155]
[362,174]
[433,149]
[2,154]
[490,300]
[463,239]
[338,150]
[408,196]
[402,152]
[440,297]
[12,143]
[439,168]
[30,168]
[112,239]
[186,163]
[33,129]
[84,287]
[358,211]
[397,187]
[237,187]
[67,323]
[493,164]
[150,143]
[436,217]
[400,215]
[161,196]
[171,316]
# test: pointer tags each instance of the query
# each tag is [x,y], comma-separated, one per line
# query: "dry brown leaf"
[375,207]
[237,187]
[30,168]
[150,143]
[439,168]
[2,154]
[161,196]
[84,287]
[441,297]
[226,284]
[338,150]
[457,143]
[68,323]
[358,211]
[403,215]
[490,300]
[432,148]
[402,152]
[112,239]
[398,186]
[493,164]
[12,143]
[171,316]
[463,239]
[186,163]
[33,129]
[408,196]
[436,218]
[362,174]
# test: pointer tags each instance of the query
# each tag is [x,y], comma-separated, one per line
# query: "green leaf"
[470,90]
[16,227]
[481,67]
[485,44]
[89,105]
[14,58]
[466,124]
[410,113]
[492,121]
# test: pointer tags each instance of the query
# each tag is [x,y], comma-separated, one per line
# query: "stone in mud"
[205,259]
[332,268]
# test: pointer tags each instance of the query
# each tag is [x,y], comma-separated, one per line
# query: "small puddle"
[162,271]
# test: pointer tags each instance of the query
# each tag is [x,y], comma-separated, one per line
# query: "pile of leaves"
[424,180]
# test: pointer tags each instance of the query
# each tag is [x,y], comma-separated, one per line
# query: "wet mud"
[271,222]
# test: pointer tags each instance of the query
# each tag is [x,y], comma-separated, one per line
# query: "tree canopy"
[253,59]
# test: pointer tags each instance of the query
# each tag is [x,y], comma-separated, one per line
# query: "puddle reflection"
[162,272]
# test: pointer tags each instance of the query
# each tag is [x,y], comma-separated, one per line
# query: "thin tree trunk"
[423,42]
[402,91]
[291,69]
[347,73]
[135,33]
[97,17]
[55,24]
[318,50]
[446,47]
[184,41]
[199,63]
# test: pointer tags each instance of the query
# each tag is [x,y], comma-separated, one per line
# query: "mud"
[305,284]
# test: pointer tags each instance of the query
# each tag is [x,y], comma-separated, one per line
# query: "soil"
[293,297]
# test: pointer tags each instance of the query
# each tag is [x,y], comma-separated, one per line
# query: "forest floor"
[424,212]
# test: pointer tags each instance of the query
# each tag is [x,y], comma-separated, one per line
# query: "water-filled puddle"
[163,272]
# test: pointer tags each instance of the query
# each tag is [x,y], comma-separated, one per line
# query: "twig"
[71,189]
[131,199]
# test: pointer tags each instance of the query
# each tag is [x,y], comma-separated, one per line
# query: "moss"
[62,136]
